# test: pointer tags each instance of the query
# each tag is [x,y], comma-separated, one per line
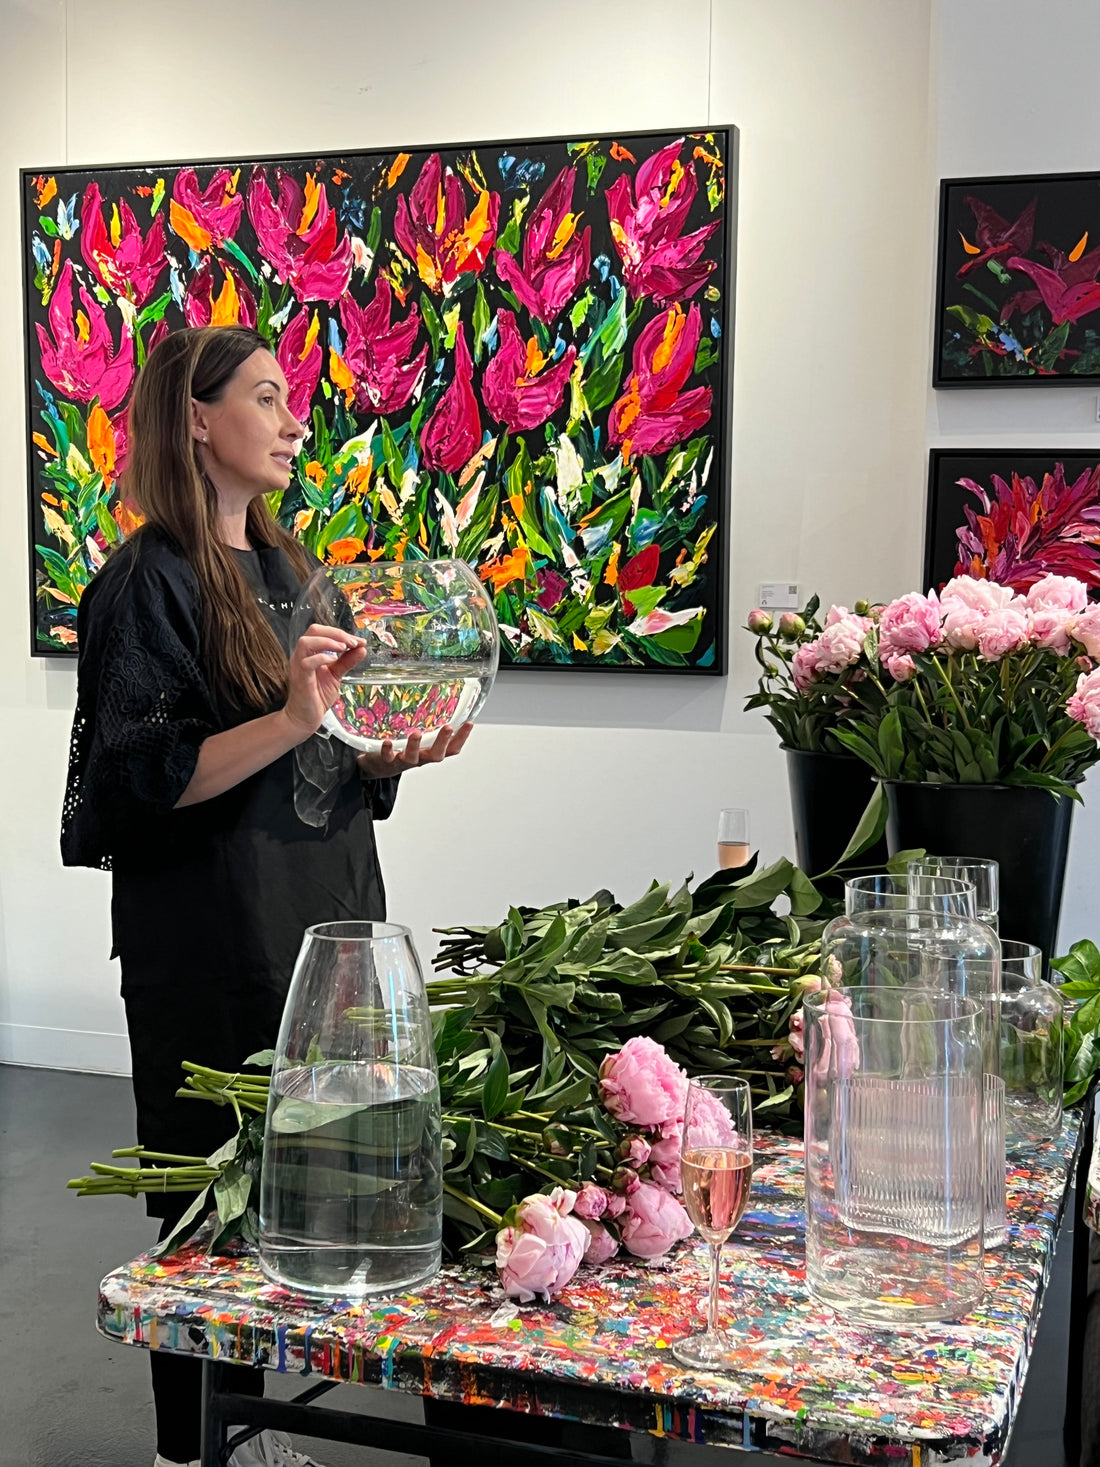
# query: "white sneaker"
[160,1461]
[269,1449]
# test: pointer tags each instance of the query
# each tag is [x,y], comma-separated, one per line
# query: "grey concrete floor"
[69,1398]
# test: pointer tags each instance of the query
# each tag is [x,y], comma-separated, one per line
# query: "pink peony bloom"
[1002,632]
[591,1202]
[654,1221]
[901,667]
[602,1243]
[709,1122]
[1049,627]
[796,1038]
[664,1162]
[1086,630]
[841,643]
[1058,593]
[909,624]
[624,1181]
[840,1046]
[759,621]
[634,1151]
[641,1086]
[542,1252]
[979,595]
[804,666]
[1084,703]
[616,1204]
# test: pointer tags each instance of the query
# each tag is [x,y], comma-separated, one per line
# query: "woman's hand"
[322,657]
[387,761]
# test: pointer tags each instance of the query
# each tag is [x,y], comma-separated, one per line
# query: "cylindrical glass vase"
[886,891]
[1032,1058]
[895,1176]
[352,1189]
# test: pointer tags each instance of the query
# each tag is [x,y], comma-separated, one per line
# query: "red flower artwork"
[297,234]
[653,413]
[127,261]
[645,224]
[81,360]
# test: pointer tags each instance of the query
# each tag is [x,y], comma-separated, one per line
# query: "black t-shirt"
[224,888]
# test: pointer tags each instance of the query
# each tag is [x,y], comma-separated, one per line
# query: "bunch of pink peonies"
[547,1237]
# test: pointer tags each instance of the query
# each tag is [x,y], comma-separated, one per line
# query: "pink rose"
[591,1202]
[641,1086]
[1084,702]
[1058,593]
[910,624]
[634,1151]
[804,666]
[841,643]
[1002,632]
[602,1243]
[1086,630]
[901,668]
[664,1163]
[543,1250]
[1049,627]
[654,1221]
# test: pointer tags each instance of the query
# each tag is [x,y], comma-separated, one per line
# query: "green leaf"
[481,321]
[805,897]
[644,908]
[871,825]
[762,888]
[890,744]
[231,1192]
[185,1227]
[495,1090]
[263,1059]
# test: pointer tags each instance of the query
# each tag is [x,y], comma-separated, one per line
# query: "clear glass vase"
[886,891]
[432,647]
[895,1174]
[352,1187]
[1032,1054]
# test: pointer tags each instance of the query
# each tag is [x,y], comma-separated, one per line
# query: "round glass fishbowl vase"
[431,647]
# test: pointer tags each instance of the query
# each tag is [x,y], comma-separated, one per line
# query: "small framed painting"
[1013,515]
[1017,293]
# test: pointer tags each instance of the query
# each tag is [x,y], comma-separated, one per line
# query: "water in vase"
[396,699]
[352,1179]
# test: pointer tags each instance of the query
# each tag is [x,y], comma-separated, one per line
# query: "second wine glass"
[716,1161]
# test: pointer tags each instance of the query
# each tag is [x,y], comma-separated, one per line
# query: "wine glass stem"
[715,1282]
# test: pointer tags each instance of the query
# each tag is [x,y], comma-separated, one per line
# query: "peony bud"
[862,608]
[791,625]
[760,621]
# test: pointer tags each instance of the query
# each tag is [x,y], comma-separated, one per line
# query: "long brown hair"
[164,476]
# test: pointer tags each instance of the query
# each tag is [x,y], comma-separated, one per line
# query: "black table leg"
[1079,1295]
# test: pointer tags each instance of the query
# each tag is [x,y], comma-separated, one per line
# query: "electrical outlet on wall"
[779,596]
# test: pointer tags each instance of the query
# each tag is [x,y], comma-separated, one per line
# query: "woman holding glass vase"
[194,732]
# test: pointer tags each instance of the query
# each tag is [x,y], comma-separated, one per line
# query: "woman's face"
[249,438]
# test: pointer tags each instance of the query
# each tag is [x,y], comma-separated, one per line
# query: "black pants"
[177,1383]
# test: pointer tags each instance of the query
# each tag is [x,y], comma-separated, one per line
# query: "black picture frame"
[948,503]
[719,373]
[1051,335]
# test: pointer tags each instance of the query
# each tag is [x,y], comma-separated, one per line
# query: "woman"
[193,751]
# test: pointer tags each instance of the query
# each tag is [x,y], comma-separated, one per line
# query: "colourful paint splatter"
[513,356]
[802,1381]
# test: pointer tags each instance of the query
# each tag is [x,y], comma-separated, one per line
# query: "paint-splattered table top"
[802,1381]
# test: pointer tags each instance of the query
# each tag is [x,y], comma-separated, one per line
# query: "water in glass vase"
[395,699]
[352,1179]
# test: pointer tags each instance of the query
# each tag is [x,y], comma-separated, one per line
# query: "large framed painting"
[517,353]
[1013,515]
[1018,298]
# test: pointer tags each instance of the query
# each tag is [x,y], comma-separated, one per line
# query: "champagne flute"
[716,1161]
[733,838]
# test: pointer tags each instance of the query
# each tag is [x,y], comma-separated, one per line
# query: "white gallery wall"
[848,112]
